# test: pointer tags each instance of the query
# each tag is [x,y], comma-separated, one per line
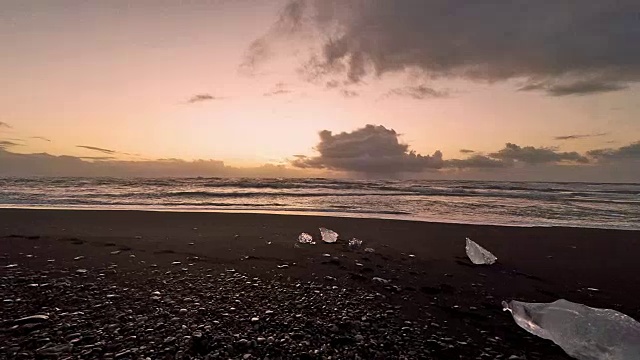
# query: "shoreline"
[189,255]
[319,214]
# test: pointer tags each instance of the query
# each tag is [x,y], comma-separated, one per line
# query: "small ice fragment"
[176,263]
[593,289]
[479,255]
[115,252]
[138,237]
[10,266]
[380,280]
[305,238]
[78,258]
[411,256]
[328,236]
[31,319]
[369,250]
[285,266]
[355,243]
[583,332]
[82,271]
[326,255]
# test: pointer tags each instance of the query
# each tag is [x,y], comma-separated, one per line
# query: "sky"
[518,90]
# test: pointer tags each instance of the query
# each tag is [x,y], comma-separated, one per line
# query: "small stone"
[183,311]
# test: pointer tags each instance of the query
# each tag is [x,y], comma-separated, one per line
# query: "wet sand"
[452,307]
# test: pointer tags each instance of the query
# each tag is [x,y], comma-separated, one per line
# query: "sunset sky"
[255,82]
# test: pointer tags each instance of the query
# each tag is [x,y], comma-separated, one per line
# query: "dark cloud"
[102,150]
[534,156]
[478,162]
[201,98]
[370,150]
[7,144]
[41,138]
[578,136]
[418,92]
[562,47]
[583,87]
[466,151]
[631,151]
[5,125]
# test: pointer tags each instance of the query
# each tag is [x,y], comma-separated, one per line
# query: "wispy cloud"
[6,144]
[419,92]
[278,89]
[5,125]
[580,87]
[202,98]
[467,151]
[579,136]
[102,150]
[41,138]
[349,93]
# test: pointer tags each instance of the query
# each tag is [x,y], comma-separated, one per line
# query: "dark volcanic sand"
[436,305]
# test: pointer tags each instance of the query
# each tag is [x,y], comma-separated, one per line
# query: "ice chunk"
[370,250]
[583,332]
[479,255]
[305,238]
[355,243]
[328,236]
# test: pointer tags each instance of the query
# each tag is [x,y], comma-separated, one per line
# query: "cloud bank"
[377,151]
[25,165]
[558,47]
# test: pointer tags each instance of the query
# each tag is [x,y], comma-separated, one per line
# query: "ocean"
[614,206]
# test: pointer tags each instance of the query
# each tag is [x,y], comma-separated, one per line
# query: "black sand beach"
[136,285]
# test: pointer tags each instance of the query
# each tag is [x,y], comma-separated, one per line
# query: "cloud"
[201,98]
[105,151]
[14,164]
[631,151]
[5,125]
[6,144]
[41,138]
[289,23]
[466,151]
[417,92]
[369,150]
[582,87]
[278,89]
[575,47]
[349,93]
[576,136]
[532,155]
[478,161]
